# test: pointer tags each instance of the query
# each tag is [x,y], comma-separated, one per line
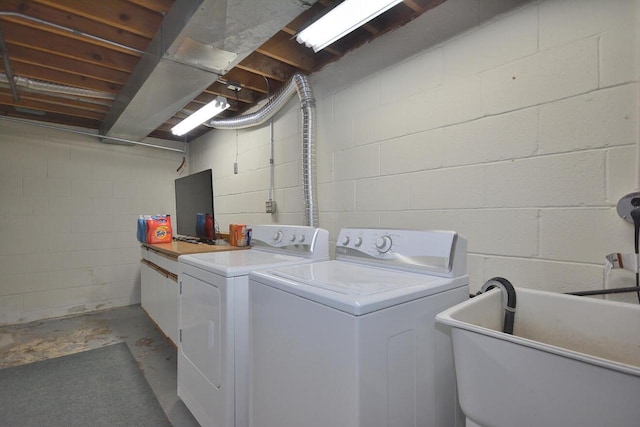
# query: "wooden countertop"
[177,248]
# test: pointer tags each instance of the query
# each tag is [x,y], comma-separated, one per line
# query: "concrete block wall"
[68,211]
[519,132]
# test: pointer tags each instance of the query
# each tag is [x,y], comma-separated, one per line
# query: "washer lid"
[239,263]
[353,288]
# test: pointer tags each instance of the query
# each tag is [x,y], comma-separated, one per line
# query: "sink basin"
[572,361]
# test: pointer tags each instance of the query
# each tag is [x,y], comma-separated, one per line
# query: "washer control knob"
[383,244]
[301,238]
[277,236]
[345,240]
[292,238]
[358,242]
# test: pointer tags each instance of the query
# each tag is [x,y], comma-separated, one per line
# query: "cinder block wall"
[68,210]
[519,132]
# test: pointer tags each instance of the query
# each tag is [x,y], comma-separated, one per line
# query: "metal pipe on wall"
[271,161]
[79,132]
[271,203]
[297,84]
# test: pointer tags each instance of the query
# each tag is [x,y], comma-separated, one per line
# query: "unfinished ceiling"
[135,68]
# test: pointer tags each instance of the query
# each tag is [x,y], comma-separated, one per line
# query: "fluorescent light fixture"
[216,106]
[341,20]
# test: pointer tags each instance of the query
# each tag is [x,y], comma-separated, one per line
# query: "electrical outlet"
[270,206]
[235,168]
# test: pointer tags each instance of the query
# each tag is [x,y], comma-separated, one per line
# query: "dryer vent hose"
[299,84]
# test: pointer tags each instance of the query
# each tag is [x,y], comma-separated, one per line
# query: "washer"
[213,355]
[353,342]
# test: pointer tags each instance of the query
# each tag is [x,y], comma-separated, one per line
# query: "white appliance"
[213,353]
[353,342]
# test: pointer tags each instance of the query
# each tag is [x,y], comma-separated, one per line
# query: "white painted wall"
[68,211]
[520,133]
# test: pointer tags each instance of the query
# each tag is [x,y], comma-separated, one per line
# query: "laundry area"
[212,216]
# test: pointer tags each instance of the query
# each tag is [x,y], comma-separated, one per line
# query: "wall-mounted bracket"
[628,203]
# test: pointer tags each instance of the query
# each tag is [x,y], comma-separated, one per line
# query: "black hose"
[510,308]
[635,214]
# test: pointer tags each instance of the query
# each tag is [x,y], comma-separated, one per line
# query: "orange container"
[159,229]
[239,235]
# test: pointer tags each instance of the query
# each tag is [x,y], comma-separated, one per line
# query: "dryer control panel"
[311,242]
[437,252]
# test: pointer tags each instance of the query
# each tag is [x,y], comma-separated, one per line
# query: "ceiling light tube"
[213,108]
[341,20]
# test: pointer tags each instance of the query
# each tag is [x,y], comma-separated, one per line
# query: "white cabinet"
[160,291]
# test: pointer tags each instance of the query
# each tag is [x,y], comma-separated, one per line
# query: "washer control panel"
[383,244]
[418,250]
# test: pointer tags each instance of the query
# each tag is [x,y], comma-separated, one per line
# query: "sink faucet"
[508,300]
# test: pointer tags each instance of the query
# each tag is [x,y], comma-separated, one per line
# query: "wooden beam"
[249,80]
[420,6]
[60,63]
[305,18]
[411,4]
[118,13]
[73,22]
[160,6]
[245,96]
[282,48]
[259,63]
[68,47]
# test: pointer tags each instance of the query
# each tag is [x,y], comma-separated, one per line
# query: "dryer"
[213,354]
[353,342]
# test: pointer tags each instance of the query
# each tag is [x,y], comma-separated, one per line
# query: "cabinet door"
[163,298]
[148,291]
[172,295]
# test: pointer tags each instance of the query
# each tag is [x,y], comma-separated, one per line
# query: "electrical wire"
[271,149]
[184,162]
[237,130]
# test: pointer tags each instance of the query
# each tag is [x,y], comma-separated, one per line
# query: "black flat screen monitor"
[194,206]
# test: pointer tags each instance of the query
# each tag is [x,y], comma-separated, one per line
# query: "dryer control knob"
[358,242]
[301,238]
[345,240]
[277,236]
[292,238]
[383,244]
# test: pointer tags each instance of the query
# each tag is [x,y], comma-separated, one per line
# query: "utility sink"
[571,361]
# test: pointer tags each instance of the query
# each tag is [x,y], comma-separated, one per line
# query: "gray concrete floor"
[156,355]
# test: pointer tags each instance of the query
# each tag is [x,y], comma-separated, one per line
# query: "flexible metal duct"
[41,86]
[299,84]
